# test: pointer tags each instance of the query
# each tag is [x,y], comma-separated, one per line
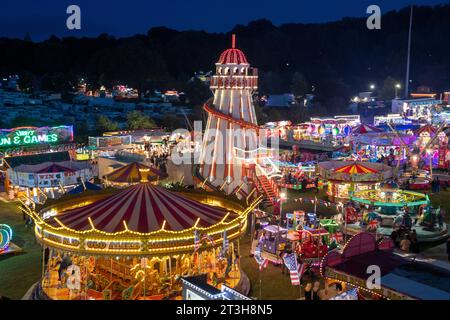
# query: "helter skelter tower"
[232,125]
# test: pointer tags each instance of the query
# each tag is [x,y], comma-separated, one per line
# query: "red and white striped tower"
[231,115]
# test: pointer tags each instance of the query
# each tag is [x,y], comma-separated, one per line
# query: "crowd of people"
[157,154]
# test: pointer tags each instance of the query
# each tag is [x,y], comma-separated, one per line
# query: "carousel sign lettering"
[62,240]
[113,245]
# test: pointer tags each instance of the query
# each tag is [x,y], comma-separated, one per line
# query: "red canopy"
[144,208]
[365,128]
[54,168]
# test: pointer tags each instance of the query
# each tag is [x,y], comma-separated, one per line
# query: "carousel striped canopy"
[355,169]
[144,208]
[134,172]
[365,128]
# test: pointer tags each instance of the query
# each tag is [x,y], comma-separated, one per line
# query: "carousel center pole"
[260,285]
[43,262]
[87,277]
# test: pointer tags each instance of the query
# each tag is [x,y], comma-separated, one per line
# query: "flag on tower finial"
[233,41]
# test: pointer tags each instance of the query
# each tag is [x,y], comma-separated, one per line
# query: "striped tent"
[133,173]
[426,129]
[365,128]
[55,168]
[142,208]
[355,168]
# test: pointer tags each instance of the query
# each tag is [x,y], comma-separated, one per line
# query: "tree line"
[333,60]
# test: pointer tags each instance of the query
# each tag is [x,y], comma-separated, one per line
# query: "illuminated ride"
[231,115]
[6,235]
[139,242]
[376,145]
[391,209]
[347,177]
[389,200]
[313,244]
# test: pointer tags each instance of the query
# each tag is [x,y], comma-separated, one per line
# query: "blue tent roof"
[80,188]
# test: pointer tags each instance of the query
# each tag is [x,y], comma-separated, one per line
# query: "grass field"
[20,271]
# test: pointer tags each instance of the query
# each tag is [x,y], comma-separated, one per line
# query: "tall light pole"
[408,62]
[372,87]
[397,87]
[283,197]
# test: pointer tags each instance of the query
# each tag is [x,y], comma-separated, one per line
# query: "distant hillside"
[338,58]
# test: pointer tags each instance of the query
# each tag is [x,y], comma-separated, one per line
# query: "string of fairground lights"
[40,231]
[137,251]
[242,215]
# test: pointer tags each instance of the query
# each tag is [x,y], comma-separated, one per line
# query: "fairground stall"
[325,130]
[33,141]
[420,110]
[138,145]
[346,177]
[402,277]
[47,179]
[383,145]
[138,243]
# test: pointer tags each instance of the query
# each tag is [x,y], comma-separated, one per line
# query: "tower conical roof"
[233,55]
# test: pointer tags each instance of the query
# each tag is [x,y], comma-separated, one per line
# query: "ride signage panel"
[24,136]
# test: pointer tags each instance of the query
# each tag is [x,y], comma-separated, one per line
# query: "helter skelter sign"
[24,136]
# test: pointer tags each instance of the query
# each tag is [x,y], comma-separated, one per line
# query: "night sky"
[123,18]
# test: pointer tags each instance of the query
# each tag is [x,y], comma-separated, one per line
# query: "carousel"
[388,200]
[346,177]
[138,243]
[389,209]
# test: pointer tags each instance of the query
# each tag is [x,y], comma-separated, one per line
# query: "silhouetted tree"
[138,120]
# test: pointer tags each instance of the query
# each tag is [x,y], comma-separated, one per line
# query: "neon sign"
[30,135]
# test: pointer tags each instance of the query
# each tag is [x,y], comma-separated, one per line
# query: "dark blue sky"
[127,17]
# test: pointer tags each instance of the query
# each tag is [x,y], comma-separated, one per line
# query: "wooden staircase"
[267,187]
